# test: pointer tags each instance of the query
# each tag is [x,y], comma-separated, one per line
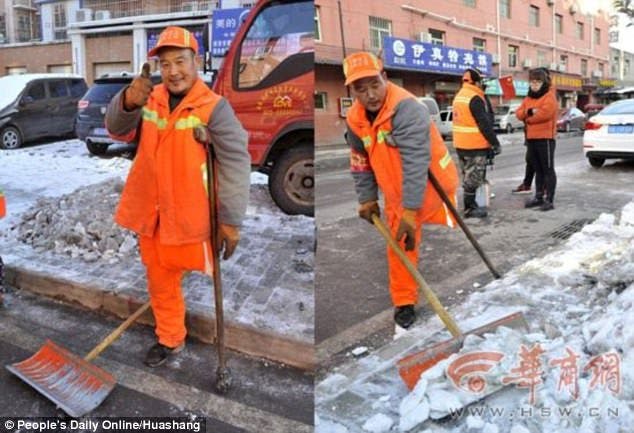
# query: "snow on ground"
[578,302]
[61,198]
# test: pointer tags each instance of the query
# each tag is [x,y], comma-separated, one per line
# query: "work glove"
[369,208]
[138,92]
[228,238]
[407,228]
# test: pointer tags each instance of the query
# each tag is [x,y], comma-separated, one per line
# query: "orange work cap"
[175,37]
[361,65]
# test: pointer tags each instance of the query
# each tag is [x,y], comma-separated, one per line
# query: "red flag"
[508,89]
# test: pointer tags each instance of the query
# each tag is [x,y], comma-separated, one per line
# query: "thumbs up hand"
[138,92]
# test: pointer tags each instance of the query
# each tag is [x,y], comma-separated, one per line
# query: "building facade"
[94,37]
[516,34]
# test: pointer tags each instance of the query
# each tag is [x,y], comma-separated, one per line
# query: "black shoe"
[404,316]
[476,212]
[534,202]
[158,354]
[546,206]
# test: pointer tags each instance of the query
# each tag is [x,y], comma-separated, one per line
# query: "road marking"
[184,397]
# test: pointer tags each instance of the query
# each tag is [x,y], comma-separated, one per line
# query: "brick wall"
[35,58]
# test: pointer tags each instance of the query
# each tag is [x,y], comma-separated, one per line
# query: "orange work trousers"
[403,287]
[165,266]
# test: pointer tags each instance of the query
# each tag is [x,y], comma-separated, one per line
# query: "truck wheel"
[292,181]
[10,138]
[96,148]
[596,162]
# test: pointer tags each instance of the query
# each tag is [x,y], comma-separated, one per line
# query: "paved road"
[265,396]
[352,302]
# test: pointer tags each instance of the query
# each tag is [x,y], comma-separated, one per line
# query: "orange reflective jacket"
[167,181]
[3,205]
[466,134]
[385,159]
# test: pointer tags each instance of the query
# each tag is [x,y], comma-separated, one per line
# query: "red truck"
[268,77]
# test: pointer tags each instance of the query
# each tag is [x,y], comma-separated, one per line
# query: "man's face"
[370,92]
[178,69]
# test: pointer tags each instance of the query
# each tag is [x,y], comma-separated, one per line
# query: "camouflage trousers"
[474,171]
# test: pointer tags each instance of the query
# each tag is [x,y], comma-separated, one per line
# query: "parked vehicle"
[592,109]
[268,77]
[571,118]
[34,106]
[445,125]
[505,119]
[432,106]
[610,134]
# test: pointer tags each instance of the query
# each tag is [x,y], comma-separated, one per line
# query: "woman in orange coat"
[539,112]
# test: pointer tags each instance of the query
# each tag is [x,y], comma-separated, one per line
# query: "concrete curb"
[239,337]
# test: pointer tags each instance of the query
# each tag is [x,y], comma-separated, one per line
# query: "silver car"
[505,119]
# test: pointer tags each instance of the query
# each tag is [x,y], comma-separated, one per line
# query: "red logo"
[466,370]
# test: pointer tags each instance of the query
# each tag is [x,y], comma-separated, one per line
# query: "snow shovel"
[443,195]
[72,383]
[411,367]
[223,374]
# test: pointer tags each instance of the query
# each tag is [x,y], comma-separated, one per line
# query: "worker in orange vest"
[393,144]
[165,199]
[474,138]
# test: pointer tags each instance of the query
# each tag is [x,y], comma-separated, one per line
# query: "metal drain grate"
[564,232]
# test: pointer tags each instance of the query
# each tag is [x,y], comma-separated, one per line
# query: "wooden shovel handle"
[427,291]
[116,333]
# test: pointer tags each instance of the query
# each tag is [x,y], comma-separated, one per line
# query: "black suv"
[90,126]
[91,110]
[33,106]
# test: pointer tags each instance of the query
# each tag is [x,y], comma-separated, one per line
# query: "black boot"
[547,205]
[404,316]
[534,202]
[158,354]
[471,208]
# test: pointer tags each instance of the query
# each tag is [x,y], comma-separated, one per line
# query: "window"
[479,44]
[3,30]
[470,3]
[505,8]
[514,52]
[37,91]
[533,16]
[437,37]
[541,58]
[58,88]
[584,68]
[317,25]
[580,31]
[597,36]
[273,48]
[601,69]
[321,99]
[559,24]
[379,27]
[626,67]
[563,61]
[59,21]
[78,88]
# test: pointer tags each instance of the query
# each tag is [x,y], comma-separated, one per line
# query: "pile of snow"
[79,225]
[577,299]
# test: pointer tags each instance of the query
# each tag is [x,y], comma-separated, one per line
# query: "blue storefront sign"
[225,25]
[422,56]
[153,37]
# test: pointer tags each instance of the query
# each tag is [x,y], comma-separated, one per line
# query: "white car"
[610,133]
[445,125]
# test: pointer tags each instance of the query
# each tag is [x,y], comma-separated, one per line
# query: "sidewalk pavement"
[267,285]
